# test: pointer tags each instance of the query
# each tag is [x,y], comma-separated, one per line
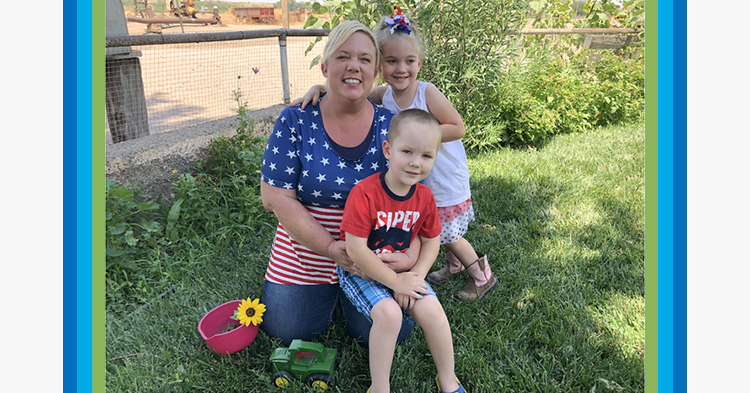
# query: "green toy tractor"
[306,361]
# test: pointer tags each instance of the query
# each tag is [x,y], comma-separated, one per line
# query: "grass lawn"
[564,230]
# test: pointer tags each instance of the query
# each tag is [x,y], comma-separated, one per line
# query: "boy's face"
[410,155]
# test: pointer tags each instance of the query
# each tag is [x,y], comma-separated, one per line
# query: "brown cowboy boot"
[444,274]
[471,291]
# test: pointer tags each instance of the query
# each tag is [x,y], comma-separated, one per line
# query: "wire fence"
[162,83]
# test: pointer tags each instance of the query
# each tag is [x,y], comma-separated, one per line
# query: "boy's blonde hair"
[341,33]
[384,32]
[416,115]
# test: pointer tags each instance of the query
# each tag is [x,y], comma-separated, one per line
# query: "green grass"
[564,230]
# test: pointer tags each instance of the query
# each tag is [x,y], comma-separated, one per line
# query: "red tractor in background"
[187,7]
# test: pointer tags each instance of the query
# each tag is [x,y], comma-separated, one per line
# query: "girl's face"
[351,68]
[410,156]
[401,62]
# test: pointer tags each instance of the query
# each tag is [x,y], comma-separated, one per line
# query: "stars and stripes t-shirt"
[300,156]
[293,263]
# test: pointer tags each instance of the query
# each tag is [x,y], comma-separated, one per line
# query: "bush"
[221,200]
[149,244]
[550,95]
[132,226]
[134,245]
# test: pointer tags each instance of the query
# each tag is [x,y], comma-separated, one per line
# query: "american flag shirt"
[299,156]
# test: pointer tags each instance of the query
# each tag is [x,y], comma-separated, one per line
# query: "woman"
[313,159]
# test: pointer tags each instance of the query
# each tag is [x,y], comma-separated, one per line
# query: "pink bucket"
[219,318]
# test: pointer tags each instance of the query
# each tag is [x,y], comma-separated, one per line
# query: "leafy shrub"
[509,90]
[134,245]
[618,84]
[222,199]
[132,226]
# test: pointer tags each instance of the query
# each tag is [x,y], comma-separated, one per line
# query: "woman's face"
[350,70]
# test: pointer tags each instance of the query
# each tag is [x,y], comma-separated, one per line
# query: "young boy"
[384,213]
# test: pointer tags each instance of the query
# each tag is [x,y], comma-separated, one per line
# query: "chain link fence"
[161,83]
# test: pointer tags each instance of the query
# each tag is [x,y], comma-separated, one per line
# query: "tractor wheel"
[282,379]
[320,382]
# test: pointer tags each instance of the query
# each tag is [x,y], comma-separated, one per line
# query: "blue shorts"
[365,294]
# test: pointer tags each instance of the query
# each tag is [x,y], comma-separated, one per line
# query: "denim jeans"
[305,311]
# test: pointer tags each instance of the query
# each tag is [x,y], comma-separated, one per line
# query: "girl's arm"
[451,123]
[312,96]
[302,227]
[376,94]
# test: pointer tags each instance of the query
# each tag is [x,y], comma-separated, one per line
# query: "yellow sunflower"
[251,311]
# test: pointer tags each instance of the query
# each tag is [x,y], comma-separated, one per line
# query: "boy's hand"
[312,96]
[410,284]
[404,301]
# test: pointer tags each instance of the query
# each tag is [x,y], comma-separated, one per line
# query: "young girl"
[402,54]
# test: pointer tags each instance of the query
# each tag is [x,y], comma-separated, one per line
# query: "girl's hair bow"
[398,21]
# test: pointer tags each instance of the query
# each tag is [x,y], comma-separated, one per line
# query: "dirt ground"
[228,23]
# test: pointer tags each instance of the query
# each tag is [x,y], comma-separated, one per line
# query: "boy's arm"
[407,283]
[427,256]
[429,251]
[451,123]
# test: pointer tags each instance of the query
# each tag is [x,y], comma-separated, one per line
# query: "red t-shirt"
[389,222]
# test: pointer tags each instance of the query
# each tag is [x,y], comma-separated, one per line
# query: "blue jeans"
[305,311]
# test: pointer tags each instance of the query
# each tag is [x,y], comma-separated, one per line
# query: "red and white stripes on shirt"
[293,263]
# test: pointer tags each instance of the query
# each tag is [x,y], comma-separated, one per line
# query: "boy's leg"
[358,326]
[386,323]
[429,314]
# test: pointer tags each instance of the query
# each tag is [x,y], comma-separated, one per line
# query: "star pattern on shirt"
[299,157]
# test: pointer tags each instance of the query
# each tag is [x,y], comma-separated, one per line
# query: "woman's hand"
[337,252]
[397,261]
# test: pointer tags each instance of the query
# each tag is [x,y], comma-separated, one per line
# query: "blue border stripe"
[666,198]
[83,200]
[70,350]
[679,98]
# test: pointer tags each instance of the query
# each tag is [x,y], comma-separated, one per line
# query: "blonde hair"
[341,33]
[416,115]
[384,32]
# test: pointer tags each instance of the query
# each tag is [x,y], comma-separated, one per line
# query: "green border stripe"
[98,197]
[652,195]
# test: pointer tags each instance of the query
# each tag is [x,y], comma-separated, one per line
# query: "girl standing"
[402,55]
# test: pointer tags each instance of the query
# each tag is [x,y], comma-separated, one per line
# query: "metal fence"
[161,83]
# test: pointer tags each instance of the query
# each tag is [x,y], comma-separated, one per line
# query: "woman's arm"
[407,283]
[403,261]
[302,227]
[451,123]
